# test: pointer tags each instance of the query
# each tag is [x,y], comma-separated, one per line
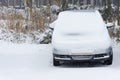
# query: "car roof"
[79,15]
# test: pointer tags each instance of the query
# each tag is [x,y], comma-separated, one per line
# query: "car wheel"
[55,62]
[109,61]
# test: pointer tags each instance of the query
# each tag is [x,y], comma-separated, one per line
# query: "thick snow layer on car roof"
[79,21]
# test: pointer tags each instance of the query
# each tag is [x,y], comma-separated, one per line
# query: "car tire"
[110,60]
[55,62]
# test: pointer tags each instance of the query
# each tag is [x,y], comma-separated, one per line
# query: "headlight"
[106,50]
[109,49]
[58,51]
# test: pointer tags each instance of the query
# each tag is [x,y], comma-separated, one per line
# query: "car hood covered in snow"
[93,44]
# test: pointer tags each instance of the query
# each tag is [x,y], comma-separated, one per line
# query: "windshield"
[79,23]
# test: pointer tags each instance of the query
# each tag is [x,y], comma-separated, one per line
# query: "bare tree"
[28,3]
[20,4]
[64,5]
[92,2]
[109,11]
[85,2]
[118,12]
[14,3]
[104,2]
[25,3]
[7,2]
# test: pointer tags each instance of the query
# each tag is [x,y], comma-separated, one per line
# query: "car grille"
[82,57]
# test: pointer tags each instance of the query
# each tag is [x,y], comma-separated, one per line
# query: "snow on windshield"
[75,23]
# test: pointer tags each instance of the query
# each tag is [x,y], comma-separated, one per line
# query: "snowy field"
[34,62]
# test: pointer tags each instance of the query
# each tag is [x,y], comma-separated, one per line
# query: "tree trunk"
[20,4]
[7,3]
[110,11]
[64,5]
[85,2]
[92,2]
[118,15]
[14,3]
[104,3]
[28,3]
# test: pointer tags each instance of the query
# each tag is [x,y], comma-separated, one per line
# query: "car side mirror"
[52,25]
[109,25]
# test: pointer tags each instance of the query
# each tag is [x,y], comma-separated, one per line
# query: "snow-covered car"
[81,36]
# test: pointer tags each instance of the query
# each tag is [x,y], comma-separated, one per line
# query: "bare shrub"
[38,21]
[26,26]
[114,33]
[118,34]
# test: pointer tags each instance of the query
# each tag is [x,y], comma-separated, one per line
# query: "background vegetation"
[28,20]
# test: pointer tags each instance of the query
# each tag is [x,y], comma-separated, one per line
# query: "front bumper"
[94,57]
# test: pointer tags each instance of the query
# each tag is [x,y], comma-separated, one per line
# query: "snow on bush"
[29,37]
[23,26]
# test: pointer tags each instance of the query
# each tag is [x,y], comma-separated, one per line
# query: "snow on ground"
[34,62]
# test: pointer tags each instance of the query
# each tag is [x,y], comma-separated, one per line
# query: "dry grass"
[17,22]
[38,21]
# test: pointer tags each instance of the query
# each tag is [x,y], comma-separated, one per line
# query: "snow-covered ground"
[34,62]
